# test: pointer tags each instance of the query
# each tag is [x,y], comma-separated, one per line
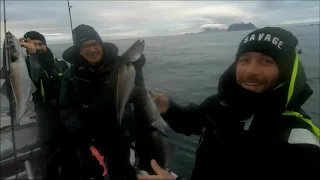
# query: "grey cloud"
[26,10]
[282,7]
[275,12]
[149,18]
[279,12]
[287,5]
[228,20]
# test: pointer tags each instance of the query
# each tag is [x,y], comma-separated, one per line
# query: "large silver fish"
[151,130]
[152,141]
[18,83]
[126,76]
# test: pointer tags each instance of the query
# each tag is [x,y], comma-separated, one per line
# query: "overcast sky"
[120,19]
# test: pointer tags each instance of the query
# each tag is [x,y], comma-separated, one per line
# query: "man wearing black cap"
[46,72]
[254,126]
[88,110]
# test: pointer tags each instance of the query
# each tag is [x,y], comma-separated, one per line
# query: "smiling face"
[256,72]
[91,50]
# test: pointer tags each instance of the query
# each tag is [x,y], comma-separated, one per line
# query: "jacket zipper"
[201,137]
[215,132]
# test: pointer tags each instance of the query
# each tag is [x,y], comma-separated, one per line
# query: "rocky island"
[314,24]
[241,27]
[233,27]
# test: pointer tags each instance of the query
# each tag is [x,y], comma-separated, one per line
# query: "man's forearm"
[187,120]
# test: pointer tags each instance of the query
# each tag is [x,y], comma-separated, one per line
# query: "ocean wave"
[313,79]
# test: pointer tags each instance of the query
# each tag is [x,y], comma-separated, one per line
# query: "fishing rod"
[11,99]
[69,8]
[6,66]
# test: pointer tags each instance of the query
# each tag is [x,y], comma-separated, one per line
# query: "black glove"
[139,81]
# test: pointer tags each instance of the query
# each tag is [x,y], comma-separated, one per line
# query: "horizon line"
[155,36]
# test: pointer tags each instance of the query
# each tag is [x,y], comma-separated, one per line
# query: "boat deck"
[26,145]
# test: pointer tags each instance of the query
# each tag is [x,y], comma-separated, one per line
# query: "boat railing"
[27,154]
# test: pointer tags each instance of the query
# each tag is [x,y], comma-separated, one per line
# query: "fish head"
[134,52]
[13,44]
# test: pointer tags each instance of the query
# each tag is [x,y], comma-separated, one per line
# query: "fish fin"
[22,111]
[33,88]
[134,52]
[4,89]
[2,73]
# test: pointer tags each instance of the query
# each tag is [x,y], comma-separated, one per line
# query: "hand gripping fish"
[152,140]
[18,82]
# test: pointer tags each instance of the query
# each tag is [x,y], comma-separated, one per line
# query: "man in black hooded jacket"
[254,126]
[88,109]
[46,73]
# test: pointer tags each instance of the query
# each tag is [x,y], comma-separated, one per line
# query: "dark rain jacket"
[88,112]
[241,137]
[46,73]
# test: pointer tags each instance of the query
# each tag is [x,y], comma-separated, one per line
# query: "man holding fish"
[95,94]
[254,125]
[39,76]
[46,73]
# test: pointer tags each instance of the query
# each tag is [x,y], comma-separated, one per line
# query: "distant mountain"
[233,27]
[241,26]
[209,30]
[303,25]
[314,24]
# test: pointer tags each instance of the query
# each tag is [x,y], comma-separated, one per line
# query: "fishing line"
[72,33]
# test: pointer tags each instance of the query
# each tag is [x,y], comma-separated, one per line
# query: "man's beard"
[40,51]
[252,79]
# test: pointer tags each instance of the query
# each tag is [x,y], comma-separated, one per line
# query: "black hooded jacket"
[267,134]
[88,110]
[46,73]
